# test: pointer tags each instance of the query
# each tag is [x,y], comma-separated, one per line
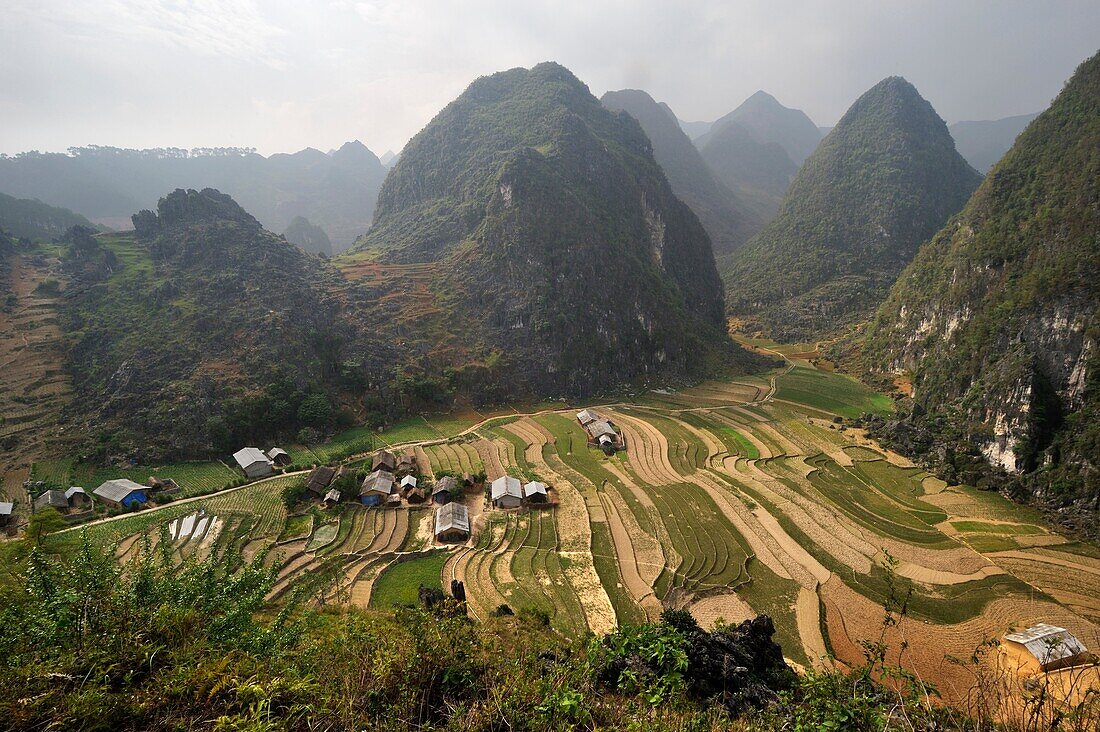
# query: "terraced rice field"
[34,389]
[729,500]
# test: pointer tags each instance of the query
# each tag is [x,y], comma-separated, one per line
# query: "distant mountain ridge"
[336,191]
[729,220]
[985,142]
[32,219]
[756,149]
[763,115]
[997,317]
[885,179]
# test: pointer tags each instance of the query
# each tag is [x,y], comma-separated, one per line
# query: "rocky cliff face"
[557,239]
[997,317]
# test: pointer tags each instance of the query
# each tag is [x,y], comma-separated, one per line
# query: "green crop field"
[695,529]
[400,583]
[831,392]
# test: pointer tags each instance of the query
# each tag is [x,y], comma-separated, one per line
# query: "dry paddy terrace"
[730,499]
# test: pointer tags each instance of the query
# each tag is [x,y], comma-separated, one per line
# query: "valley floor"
[730,499]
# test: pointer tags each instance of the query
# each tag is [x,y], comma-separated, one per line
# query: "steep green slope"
[204,332]
[729,220]
[883,181]
[559,242]
[997,317]
[32,219]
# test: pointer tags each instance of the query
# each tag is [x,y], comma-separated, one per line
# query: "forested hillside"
[883,181]
[557,238]
[200,330]
[729,219]
[997,317]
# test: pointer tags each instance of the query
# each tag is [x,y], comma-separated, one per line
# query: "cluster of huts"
[509,492]
[119,493]
[601,431]
[394,479]
[259,464]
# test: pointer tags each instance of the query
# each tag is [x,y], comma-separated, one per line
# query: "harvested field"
[725,501]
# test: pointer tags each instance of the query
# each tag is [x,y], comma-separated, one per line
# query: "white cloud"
[286,74]
[232,29]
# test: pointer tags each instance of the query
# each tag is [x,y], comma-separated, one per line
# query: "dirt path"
[807,613]
[578,505]
[626,556]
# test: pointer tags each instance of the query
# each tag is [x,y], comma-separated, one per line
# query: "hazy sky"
[282,75]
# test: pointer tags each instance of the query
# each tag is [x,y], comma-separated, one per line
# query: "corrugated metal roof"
[333,495]
[73,491]
[534,487]
[379,481]
[250,456]
[1048,643]
[446,483]
[276,452]
[6,508]
[452,516]
[600,428]
[409,481]
[584,416]
[116,490]
[506,485]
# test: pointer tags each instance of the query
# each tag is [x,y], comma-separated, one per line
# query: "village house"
[535,492]
[377,488]
[445,490]
[253,462]
[122,492]
[279,457]
[407,464]
[452,523]
[1043,648]
[601,432]
[331,498]
[411,490]
[76,497]
[320,478]
[6,508]
[384,460]
[53,497]
[507,492]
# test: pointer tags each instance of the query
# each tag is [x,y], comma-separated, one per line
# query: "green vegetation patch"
[400,583]
[831,392]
